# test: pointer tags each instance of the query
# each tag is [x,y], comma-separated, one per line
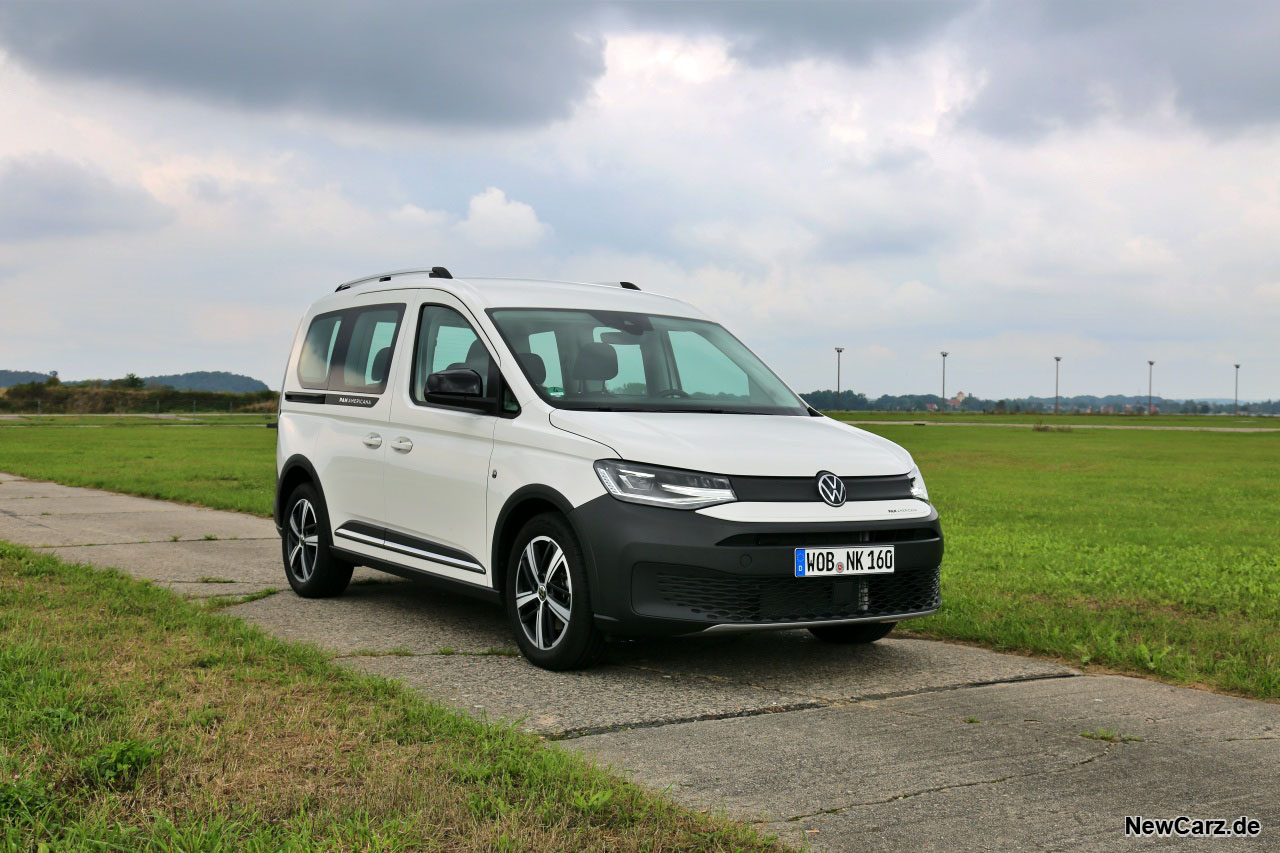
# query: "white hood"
[743,445]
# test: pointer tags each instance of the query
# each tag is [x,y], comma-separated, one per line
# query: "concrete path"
[908,744]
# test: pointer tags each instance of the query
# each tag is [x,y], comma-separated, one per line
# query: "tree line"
[857,401]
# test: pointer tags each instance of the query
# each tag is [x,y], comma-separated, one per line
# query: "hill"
[17,377]
[207,380]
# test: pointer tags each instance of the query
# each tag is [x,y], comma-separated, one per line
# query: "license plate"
[833,562]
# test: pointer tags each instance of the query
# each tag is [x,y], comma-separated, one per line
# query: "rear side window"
[317,350]
[366,358]
[351,350]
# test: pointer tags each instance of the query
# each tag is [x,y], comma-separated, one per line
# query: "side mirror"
[461,387]
[455,383]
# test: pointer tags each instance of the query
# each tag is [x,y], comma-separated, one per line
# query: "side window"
[630,380]
[317,350]
[447,341]
[366,360]
[705,369]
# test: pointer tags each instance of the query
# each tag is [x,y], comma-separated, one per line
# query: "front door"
[437,469]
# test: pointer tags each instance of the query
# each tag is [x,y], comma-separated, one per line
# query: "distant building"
[931,407]
[955,401]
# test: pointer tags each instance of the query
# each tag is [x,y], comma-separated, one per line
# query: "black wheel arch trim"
[535,491]
[293,463]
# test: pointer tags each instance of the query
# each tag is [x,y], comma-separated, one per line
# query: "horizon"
[828,390]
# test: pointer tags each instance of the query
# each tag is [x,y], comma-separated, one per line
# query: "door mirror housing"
[455,384]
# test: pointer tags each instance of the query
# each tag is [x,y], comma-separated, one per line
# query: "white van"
[600,460]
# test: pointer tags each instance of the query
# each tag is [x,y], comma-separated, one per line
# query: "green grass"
[225,467]
[1145,552]
[1149,552]
[133,720]
[1200,421]
[168,419]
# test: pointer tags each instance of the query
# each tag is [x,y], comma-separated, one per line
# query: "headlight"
[649,484]
[918,490]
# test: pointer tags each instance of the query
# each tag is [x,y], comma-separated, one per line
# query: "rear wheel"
[312,568]
[858,632]
[547,597]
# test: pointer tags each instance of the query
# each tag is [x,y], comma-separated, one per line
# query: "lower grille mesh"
[717,597]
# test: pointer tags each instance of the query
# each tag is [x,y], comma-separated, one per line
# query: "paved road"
[909,744]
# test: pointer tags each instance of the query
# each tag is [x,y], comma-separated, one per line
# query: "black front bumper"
[660,571]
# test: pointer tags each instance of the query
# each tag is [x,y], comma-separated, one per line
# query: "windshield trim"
[801,408]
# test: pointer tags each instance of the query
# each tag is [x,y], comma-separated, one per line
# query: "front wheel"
[312,568]
[858,632]
[547,598]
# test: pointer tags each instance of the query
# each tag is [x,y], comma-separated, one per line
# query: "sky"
[1006,181]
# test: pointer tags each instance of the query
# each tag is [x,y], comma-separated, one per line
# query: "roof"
[486,293]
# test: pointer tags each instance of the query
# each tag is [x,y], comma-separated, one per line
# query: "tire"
[546,582]
[310,565]
[858,632]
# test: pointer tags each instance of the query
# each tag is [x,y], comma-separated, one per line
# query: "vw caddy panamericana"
[601,461]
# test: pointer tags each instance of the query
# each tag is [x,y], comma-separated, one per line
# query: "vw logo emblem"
[830,488]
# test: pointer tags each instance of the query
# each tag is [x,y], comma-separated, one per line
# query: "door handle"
[372,440]
[402,444]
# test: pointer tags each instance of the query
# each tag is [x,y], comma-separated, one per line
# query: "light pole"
[944,380]
[839,350]
[1057,360]
[1150,367]
[1237,406]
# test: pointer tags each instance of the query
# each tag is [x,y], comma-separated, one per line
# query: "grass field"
[131,719]
[1140,551]
[1198,421]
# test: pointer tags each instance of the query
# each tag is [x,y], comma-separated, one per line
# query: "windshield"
[623,361]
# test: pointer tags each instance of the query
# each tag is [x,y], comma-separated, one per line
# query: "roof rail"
[434,272]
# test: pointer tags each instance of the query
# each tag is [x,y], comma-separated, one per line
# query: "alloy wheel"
[544,593]
[303,539]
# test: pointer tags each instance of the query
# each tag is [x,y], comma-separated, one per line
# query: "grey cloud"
[771,32]
[451,63]
[1052,64]
[1047,63]
[46,196]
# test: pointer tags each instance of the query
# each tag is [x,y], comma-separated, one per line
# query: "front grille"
[836,538]
[679,592]
[802,489]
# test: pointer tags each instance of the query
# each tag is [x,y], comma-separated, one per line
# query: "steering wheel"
[672,392]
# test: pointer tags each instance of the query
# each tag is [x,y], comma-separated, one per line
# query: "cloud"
[1044,64]
[495,222]
[780,32]
[1049,65]
[446,63]
[45,196]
